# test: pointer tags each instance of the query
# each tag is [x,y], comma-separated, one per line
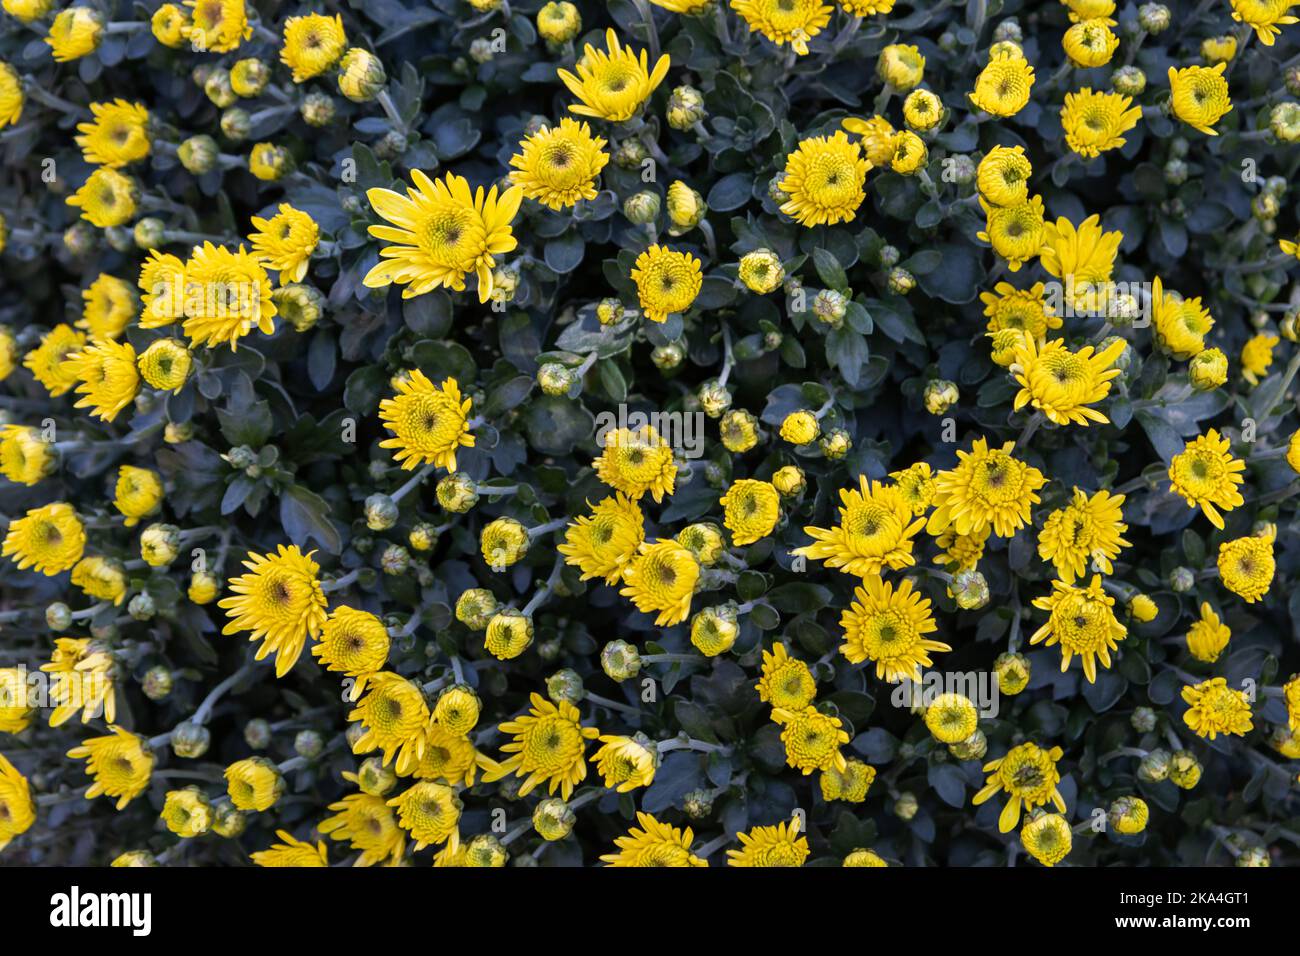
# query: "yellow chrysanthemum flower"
[1267,17]
[25,11]
[667,281]
[1208,635]
[254,784]
[120,765]
[989,486]
[354,643]
[951,718]
[451,758]
[291,852]
[82,681]
[780,845]
[875,531]
[25,457]
[1082,621]
[107,378]
[1083,258]
[101,578]
[138,493]
[1257,356]
[457,709]
[549,747]
[900,66]
[49,362]
[11,95]
[1246,565]
[1021,310]
[16,701]
[1002,176]
[603,543]
[558,165]
[1047,837]
[312,44]
[785,681]
[1087,530]
[1198,95]
[75,32]
[1097,122]
[280,602]
[751,509]
[1206,474]
[119,134]
[655,844]
[916,485]
[1090,43]
[169,24]
[429,422]
[107,198]
[1063,384]
[1291,694]
[163,284]
[922,111]
[442,233]
[1089,9]
[227,295]
[1214,708]
[1002,87]
[50,539]
[217,26]
[430,812]
[369,825]
[637,462]
[888,627]
[812,739]
[1180,324]
[850,785]
[613,83]
[624,763]
[165,365]
[109,306]
[824,178]
[1016,233]
[876,137]
[785,21]
[286,241]
[1028,775]
[395,719]
[17,809]
[661,580]
[187,813]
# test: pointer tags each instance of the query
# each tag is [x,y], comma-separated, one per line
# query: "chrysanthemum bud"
[190,740]
[157,682]
[381,512]
[553,819]
[1182,580]
[940,395]
[1265,206]
[485,850]
[901,67]
[1176,172]
[1128,81]
[905,806]
[374,778]
[395,560]
[705,541]
[973,747]
[1289,326]
[714,629]
[789,481]
[1143,608]
[423,536]
[217,88]
[889,256]
[830,306]
[555,379]
[1220,49]
[198,154]
[686,107]
[714,398]
[559,22]
[270,162]
[228,821]
[698,804]
[148,233]
[1143,720]
[836,443]
[236,124]
[901,282]
[970,590]
[58,616]
[1154,766]
[1208,370]
[761,271]
[1013,672]
[642,208]
[565,685]
[141,607]
[667,357]
[620,661]
[1008,29]
[685,208]
[249,76]
[475,607]
[800,427]
[457,493]
[630,154]
[159,544]
[317,109]
[1284,121]
[1128,815]
[1184,769]
[1154,17]
[1254,856]
[508,634]
[257,733]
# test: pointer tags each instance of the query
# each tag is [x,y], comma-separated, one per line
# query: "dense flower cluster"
[475,433]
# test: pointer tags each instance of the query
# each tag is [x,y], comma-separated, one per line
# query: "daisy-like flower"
[75,32]
[119,763]
[82,681]
[750,510]
[1082,621]
[312,44]
[25,458]
[866,8]
[137,494]
[254,784]
[451,758]
[217,26]
[429,422]
[508,635]
[916,485]
[625,763]
[785,21]
[227,295]
[101,578]
[667,281]
[1087,530]
[1083,259]
[291,852]
[168,25]
[875,531]
[1002,176]
[961,552]
[824,178]
[780,845]
[636,462]
[1208,635]
[1047,837]
[48,362]
[280,602]
[16,708]
[1097,122]
[989,486]
[395,718]
[109,306]
[367,822]
[812,739]
[1016,233]
[162,282]
[549,747]
[1180,324]
[876,136]
[888,627]
[1198,95]
[851,785]
[1246,565]
[118,135]
[107,198]
[1063,384]
[286,241]
[1021,310]
[900,66]
[1206,474]
[951,718]
[1028,775]
[613,83]
[1090,43]
[354,643]
[1257,356]
[1267,17]
[654,844]
[11,96]
[1003,86]
[603,543]
[1214,708]
[661,580]
[107,378]
[49,539]
[558,165]
[430,812]
[910,154]
[17,809]
[923,110]
[165,365]
[785,681]
[457,709]
[441,233]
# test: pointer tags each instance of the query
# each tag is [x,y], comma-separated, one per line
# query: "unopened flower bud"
[642,208]
[236,124]
[553,819]
[381,512]
[1154,17]
[1128,81]
[1154,766]
[970,590]
[361,75]
[1182,580]
[565,686]
[761,271]
[789,481]
[905,806]
[190,740]
[457,493]
[940,395]
[830,306]
[714,398]
[555,379]
[157,683]
[836,443]
[667,357]
[685,107]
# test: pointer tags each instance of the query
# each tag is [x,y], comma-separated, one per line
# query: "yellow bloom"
[780,845]
[82,681]
[1002,176]
[1180,324]
[812,739]
[1257,356]
[457,709]
[1089,9]
[429,422]
[290,852]
[1208,635]
[1028,775]
[785,21]
[875,531]
[101,578]
[1002,87]
[751,509]
[1063,384]
[824,178]
[138,493]
[667,281]
[603,543]
[876,137]
[1083,258]
[25,457]
[636,462]
[661,581]
[800,427]
[430,812]
[900,66]
[25,11]
[1016,233]
[368,824]
[1082,621]
[785,681]
[217,26]
[442,233]
[1047,837]
[1246,565]
[1199,96]
[49,363]
[613,83]
[1214,708]
[285,242]
[227,295]
[910,154]
[1265,16]
[107,378]
[49,539]
[1086,530]
[451,758]
[107,198]
[169,25]
[280,602]
[75,32]
[17,809]
[867,858]
[254,784]
[851,785]
[354,643]
[16,708]
[988,487]
[1206,474]
[549,747]
[119,134]
[916,484]
[120,765]
[888,627]
[624,763]
[923,110]
[187,813]
[162,280]
[951,718]
[1090,43]
[395,720]
[656,844]
[1291,693]
[1096,122]
[312,44]
[558,165]
[165,365]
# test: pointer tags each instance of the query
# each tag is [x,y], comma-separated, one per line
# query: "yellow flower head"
[910,154]
[780,845]
[876,137]
[312,44]
[217,26]
[637,462]
[1090,43]
[888,627]
[1208,635]
[508,635]
[430,812]
[1089,9]
[916,485]
[1063,384]
[1083,258]
[800,427]
[119,134]
[824,178]
[951,718]
[138,493]
[17,809]
[1087,530]
[1047,837]
[49,362]
[923,110]
[900,66]
[83,681]
[549,747]
[285,242]
[1003,86]
[875,530]
[165,365]
[1097,122]
[750,509]
[603,543]
[254,784]
[1246,565]
[988,487]
[625,763]
[49,539]
[354,643]
[558,165]
[613,83]
[280,602]
[1214,708]
[1016,233]
[850,785]
[107,198]
[812,739]
[667,281]
[1028,775]
[107,378]
[785,21]
[187,813]
[457,709]
[1266,17]
[227,296]
[1206,474]
[368,824]
[1019,310]
[119,763]
[75,32]
[169,24]
[441,233]
[654,845]
[785,681]
[1082,621]
[162,282]
[661,581]
[25,11]
[1199,96]
[11,96]
[101,578]
[395,718]
[451,758]
[16,708]
[1257,356]
[429,422]
[1002,176]
[1180,324]
[291,852]
[25,457]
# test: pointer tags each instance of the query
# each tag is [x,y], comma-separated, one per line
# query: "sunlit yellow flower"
[291,852]
[1087,530]
[395,719]
[1083,258]
[1090,43]
[451,758]
[354,643]
[83,681]
[280,602]
[624,763]
[227,296]
[824,179]
[1206,474]
[430,812]
[780,845]
[888,627]
[1082,621]
[119,763]
[1265,16]
[1208,635]
[951,718]
[75,32]
[875,531]
[1096,122]
[1028,775]
[988,487]
[1063,384]
[661,580]
[369,825]
[785,21]
[785,681]
[49,361]
[751,509]
[217,26]
[285,242]
[558,165]
[1214,708]
[549,747]
[667,281]
[613,83]
[654,845]
[1199,96]
[1023,310]
[118,135]
[312,44]
[107,378]
[429,422]
[812,739]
